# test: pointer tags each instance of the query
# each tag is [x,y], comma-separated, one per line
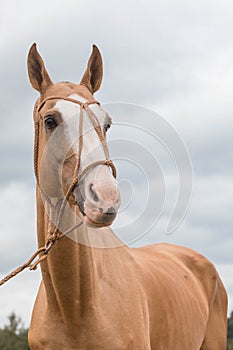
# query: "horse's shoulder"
[191,258]
[198,264]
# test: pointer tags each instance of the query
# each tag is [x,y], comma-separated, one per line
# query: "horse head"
[71,153]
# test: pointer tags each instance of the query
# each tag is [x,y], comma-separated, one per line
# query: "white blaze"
[92,149]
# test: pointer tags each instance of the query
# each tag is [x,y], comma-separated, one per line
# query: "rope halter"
[54,234]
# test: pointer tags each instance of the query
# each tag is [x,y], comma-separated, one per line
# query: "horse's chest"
[95,338]
[95,331]
[115,335]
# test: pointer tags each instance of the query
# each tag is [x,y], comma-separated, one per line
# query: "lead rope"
[53,230]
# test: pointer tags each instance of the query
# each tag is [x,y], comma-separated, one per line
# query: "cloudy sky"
[174,57]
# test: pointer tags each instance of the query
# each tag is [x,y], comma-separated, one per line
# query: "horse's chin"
[92,223]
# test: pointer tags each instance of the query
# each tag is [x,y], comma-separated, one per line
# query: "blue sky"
[173,57]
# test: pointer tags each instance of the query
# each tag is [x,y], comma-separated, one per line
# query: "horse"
[96,292]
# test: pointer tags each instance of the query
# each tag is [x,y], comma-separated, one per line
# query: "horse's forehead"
[68,109]
[62,89]
[69,113]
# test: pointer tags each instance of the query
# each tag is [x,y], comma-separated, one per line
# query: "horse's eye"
[50,122]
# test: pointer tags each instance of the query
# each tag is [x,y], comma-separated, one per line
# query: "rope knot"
[51,237]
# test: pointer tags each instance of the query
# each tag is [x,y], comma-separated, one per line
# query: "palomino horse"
[160,297]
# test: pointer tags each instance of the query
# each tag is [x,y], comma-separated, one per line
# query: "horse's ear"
[94,73]
[37,72]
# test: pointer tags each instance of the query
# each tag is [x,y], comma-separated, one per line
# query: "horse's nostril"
[94,195]
[111,211]
[101,210]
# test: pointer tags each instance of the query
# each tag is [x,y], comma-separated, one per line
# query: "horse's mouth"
[91,223]
[81,208]
[79,200]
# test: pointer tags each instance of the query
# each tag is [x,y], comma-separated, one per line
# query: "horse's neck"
[72,270]
[69,272]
